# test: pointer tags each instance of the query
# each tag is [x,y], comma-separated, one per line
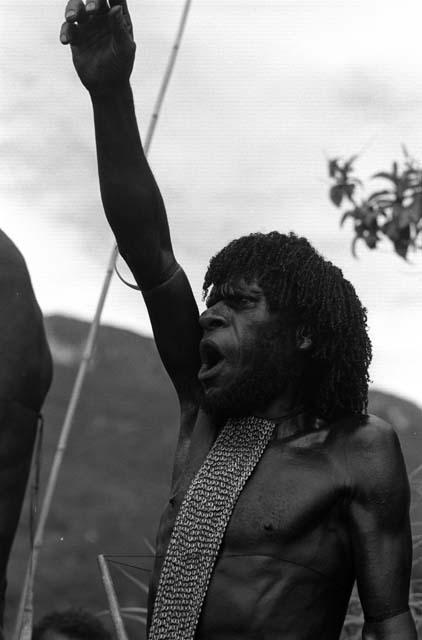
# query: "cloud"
[378,95]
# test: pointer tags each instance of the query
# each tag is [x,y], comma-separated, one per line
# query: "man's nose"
[213,318]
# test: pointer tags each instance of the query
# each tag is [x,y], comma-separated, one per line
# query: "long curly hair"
[295,277]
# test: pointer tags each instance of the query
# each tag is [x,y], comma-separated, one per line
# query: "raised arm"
[103,52]
[381,538]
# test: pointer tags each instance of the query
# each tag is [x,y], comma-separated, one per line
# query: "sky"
[263,92]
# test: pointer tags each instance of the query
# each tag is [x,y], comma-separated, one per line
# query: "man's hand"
[101,40]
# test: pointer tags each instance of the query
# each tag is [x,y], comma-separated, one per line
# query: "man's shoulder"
[372,456]
[365,433]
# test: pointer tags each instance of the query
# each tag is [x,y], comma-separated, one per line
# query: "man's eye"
[234,300]
[241,301]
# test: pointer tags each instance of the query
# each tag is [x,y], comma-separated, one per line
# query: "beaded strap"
[200,525]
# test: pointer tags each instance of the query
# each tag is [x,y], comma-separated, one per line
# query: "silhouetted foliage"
[394,212]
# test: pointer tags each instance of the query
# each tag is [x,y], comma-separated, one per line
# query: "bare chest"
[291,507]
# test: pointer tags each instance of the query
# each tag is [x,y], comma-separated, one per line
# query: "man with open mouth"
[285,491]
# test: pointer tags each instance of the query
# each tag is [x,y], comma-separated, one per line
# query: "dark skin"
[25,378]
[328,503]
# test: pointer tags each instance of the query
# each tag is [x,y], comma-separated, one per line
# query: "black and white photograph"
[211,312]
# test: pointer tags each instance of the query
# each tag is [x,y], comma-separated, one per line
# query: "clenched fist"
[101,39]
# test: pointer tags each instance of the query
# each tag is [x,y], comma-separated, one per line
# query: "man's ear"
[303,339]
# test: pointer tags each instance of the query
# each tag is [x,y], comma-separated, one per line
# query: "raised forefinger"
[75,11]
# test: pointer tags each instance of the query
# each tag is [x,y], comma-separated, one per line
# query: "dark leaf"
[371,241]
[377,194]
[336,195]
[404,219]
[349,189]
[401,216]
[353,247]
[347,214]
[332,167]
[391,230]
[401,247]
[382,205]
[348,165]
[359,229]
[415,209]
[387,176]
[369,219]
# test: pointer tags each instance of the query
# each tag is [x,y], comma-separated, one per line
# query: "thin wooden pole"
[167,75]
[112,599]
[27,594]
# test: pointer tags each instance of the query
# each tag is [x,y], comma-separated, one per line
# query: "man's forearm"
[398,627]
[130,195]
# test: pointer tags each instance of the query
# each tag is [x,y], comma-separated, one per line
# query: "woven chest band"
[200,525]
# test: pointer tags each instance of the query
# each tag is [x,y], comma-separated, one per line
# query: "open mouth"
[211,358]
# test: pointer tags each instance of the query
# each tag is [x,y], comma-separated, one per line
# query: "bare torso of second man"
[285,568]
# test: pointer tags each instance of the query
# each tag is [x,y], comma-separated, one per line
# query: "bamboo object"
[112,599]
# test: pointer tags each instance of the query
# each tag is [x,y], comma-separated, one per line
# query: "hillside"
[116,470]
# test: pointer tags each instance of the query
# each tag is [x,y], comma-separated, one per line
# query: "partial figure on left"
[26,373]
